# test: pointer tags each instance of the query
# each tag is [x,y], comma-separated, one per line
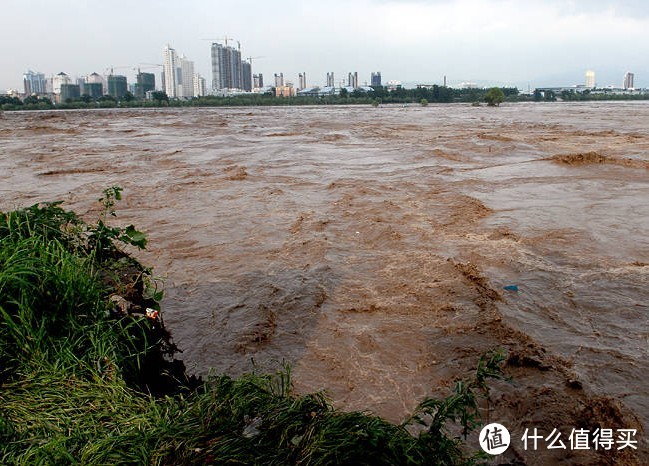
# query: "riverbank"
[380,96]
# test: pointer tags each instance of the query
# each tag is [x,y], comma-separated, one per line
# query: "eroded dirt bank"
[370,247]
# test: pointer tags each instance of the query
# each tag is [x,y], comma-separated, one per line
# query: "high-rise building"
[258,81]
[628,80]
[246,76]
[330,79]
[145,83]
[376,78]
[590,79]
[177,74]
[117,86]
[59,80]
[185,78]
[200,86]
[302,81]
[95,78]
[226,67]
[170,70]
[34,82]
[352,80]
[279,80]
[94,90]
[70,92]
[218,66]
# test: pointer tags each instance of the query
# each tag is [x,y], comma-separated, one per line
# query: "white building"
[177,75]
[170,71]
[590,79]
[200,86]
[186,84]
[95,78]
[628,80]
[58,80]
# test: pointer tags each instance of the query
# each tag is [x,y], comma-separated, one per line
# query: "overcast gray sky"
[535,42]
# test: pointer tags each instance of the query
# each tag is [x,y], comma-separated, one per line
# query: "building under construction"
[145,83]
[228,70]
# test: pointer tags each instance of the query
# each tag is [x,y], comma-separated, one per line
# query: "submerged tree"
[494,97]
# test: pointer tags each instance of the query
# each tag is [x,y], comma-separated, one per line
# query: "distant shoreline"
[380,97]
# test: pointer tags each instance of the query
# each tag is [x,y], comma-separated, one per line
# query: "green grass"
[78,380]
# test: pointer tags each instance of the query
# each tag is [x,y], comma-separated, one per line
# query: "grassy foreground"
[87,374]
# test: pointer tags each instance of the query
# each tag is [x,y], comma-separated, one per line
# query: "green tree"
[159,97]
[423,102]
[32,99]
[8,100]
[494,97]
[380,92]
[550,96]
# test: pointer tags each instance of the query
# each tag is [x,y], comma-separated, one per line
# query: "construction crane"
[225,39]
[148,65]
[250,59]
[116,68]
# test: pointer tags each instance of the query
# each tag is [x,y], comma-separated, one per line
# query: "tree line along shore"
[380,95]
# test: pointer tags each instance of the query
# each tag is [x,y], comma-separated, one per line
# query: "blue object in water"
[511,287]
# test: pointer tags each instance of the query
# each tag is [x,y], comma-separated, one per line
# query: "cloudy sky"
[531,43]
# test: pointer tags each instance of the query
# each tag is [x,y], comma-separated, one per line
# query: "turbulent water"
[370,247]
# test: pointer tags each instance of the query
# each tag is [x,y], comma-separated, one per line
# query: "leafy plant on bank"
[54,291]
[102,237]
[461,409]
[51,222]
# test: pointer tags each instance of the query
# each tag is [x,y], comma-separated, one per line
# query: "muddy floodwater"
[370,248]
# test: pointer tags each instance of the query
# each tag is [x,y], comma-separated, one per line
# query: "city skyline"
[491,42]
[177,80]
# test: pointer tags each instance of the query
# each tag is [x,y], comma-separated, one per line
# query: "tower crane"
[250,59]
[225,39]
[115,68]
[148,65]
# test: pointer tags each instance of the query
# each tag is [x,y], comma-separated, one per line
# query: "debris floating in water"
[511,287]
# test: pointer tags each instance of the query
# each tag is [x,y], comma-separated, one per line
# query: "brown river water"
[369,247]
